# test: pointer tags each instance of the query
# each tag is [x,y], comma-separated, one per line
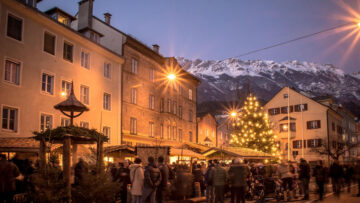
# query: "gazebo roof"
[71,103]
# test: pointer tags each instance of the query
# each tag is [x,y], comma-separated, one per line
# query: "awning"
[19,144]
[185,152]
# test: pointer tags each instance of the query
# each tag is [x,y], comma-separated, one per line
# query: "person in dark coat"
[320,177]
[348,174]
[238,174]
[124,178]
[164,170]
[219,178]
[152,181]
[198,177]
[210,190]
[81,169]
[336,174]
[304,176]
[357,175]
[8,172]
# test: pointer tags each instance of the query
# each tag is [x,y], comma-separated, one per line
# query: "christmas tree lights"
[251,129]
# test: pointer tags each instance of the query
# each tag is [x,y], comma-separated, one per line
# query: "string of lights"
[293,40]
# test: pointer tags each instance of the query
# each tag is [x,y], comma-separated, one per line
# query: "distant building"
[206,130]
[312,124]
[223,130]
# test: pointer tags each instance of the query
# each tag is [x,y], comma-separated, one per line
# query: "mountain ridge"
[230,79]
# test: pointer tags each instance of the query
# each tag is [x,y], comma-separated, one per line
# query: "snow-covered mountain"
[226,80]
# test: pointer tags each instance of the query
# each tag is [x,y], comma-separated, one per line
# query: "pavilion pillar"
[42,155]
[67,166]
[74,154]
[100,156]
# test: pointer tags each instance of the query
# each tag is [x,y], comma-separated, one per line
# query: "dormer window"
[94,37]
[60,16]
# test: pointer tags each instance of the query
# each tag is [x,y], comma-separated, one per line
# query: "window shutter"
[309,143]
[304,144]
[294,145]
[308,124]
[319,143]
[318,124]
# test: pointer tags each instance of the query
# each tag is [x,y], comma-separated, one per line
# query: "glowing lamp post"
[171,76]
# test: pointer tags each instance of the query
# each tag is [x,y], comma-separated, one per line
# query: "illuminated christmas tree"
[251,128]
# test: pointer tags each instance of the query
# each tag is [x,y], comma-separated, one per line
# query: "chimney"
[85,14]
[156,48]
[107,17]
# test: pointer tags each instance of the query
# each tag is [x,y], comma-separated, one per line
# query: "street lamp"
[233,114]
[171,76]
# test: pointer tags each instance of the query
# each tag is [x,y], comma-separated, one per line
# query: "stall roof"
[117,148]
[18,144]
[238,152]
[185,152]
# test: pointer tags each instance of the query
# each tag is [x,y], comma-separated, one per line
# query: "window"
[190,136]
[45,122]
[133,126]
[313,143]
[68,51]
[284,109]
[66,87]
[297,144]
[169,105]
[47,84]
[94,37]
[174,132]
[65,122]
[107,101]
[295,153]
[175,107]
[107,70]
[152,75]
[14,27]
[180,112]
[190,94]
[313,124]
[84,94]
[274,111]
[10,119]
[301,107]
[168,132]
[106,131]
[49,43]
[12,72]
[84,124]
[162,105]
[151,129]
[133,95]
[63,19]
[161,131]
[85,59]
[190,116]
[180,135]
[284,127]
[134,66]
[333,126]
[286,96]
[152,102]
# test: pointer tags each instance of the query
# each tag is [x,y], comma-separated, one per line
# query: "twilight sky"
[219,29]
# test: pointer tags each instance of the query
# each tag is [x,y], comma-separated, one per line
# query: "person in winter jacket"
[336,174]
[357,175]
[238,174]
[8,172]
[164,170]
[137,180]
[209,183]
[304,176]
[286,178]
[152,180]
[320,177]
[219,178]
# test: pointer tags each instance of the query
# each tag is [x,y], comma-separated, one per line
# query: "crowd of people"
[239,180]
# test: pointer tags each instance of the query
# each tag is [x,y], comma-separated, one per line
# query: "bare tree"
[336,149]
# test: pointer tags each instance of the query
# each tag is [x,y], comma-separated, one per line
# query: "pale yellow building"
[312,124]
[40,56]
